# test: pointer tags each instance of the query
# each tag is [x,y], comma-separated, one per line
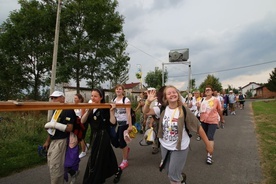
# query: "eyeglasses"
[208,90]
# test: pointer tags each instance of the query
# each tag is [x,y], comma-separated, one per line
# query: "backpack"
[162,108]
[132,112]
[241,97]
[78,129]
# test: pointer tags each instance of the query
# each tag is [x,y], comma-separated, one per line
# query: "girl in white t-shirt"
[172,134]
[123,118]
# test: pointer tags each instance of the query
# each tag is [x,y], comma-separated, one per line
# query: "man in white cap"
[152,121]
[58,128]
[232,101]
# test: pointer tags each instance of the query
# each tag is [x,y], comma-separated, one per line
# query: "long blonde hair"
[179,101]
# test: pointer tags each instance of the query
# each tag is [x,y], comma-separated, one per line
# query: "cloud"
[220,36]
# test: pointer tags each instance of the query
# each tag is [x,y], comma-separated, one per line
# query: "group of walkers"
[172,118]
[62,145]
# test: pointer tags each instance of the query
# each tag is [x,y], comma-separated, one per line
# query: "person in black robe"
[102,162]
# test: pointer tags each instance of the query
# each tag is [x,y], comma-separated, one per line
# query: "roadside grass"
[265,120]
[22,132]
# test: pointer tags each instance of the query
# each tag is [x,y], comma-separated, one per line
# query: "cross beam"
[33,106]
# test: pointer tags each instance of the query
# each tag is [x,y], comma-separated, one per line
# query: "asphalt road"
[236,159]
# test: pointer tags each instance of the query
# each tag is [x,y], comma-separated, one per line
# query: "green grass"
[21,133]
[265,116]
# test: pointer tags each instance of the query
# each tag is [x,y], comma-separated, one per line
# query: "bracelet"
[147,103]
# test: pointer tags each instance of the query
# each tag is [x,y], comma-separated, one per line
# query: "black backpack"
[132,112]
[162,108]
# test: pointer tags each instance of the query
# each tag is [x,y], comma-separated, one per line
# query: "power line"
[247,66]
[145,52]
[204,73]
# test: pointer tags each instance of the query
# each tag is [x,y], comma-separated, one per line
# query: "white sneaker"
[82,154]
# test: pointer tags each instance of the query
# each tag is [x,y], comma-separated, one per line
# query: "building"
[250,87]
[263,92]
[132,91]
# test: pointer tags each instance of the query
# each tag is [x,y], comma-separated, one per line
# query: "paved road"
[236,159]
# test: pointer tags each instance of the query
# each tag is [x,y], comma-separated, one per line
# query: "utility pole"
[55,52]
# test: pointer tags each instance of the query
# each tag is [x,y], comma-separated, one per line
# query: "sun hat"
[57,94]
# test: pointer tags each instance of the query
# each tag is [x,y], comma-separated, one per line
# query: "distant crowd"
[170,118]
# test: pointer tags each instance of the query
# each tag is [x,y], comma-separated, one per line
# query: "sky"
[234,40]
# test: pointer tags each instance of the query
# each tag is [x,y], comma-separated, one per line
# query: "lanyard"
[170,122]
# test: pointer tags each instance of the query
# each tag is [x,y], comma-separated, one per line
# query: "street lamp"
[178,56]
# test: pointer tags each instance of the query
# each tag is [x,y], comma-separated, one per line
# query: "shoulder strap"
[123,99]
[162,108]
[185,115]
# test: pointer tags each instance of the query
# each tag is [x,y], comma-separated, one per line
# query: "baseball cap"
[230,91]
[151,88]
[57,94]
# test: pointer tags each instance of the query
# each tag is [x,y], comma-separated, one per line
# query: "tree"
[211,80]
[92,44]
[271,84]
[26,39]
[193,85]
[154,78]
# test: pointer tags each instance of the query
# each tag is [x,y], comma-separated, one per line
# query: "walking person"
[194,106]
[226,104]
[173,135]
[139,107]
[152,120]
[102,162]
[78,98]
[210,109]
[58,130]
[123,118]
[232,102]
[241,100]
[72,159]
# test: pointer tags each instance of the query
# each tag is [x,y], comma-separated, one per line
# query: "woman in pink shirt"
[210,108]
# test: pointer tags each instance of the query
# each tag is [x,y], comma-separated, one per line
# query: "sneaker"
[209,160]
[184,178]
[118,175]
[234,113]
[82,154]
[222,125]
[74,177]
[198,138]
[155,151]
[123,165]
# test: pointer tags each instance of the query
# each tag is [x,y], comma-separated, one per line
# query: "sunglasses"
[54,97]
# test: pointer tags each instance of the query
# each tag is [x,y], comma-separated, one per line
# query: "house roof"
[250,83]
[260,87]
[131,85]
